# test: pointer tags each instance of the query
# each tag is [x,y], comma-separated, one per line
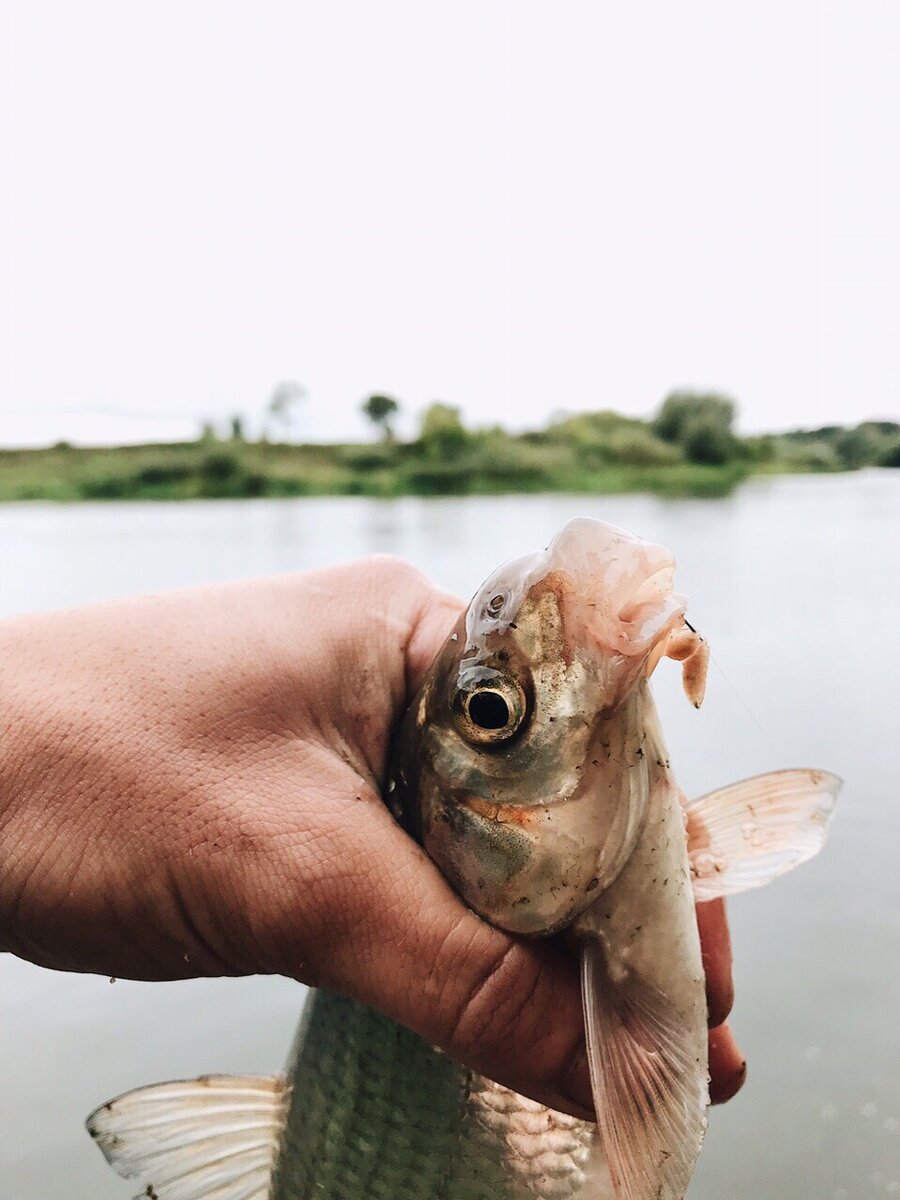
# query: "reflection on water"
[795,582]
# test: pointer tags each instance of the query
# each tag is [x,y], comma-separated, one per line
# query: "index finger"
[715,945]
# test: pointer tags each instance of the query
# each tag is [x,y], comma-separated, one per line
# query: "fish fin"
[650,1091]
[747,834]
[199,1139]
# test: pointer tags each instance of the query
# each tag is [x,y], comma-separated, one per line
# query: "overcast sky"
[515,207]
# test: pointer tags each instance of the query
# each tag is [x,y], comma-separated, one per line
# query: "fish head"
[520,765]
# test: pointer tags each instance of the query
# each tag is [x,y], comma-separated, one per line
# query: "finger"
[506,1009]
[392,934]
[436,619]
[715,944]
[727,1065]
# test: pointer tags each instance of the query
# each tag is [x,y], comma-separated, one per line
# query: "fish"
[531,767]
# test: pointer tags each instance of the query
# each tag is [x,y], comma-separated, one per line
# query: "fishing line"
[712,658]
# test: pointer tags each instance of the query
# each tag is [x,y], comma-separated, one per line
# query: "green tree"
[380,410]
[443,434]
[283,406]
[700,423]
[857,447]
[237,428]
[760,449]
[706,440]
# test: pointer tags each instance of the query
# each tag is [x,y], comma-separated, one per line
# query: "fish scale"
[376,1111]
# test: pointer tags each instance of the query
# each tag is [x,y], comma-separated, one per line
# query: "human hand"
[190,785]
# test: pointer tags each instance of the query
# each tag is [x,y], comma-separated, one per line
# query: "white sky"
[517,207]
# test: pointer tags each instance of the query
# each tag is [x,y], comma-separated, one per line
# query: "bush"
[443,435]
[284,485]
[105,487]
[807,456]
[441,479]
[220,466]
[857,447]
[367,458]
[759,449]
[599,439]
[701,420]
[640,448]
[155,474]
[707,441]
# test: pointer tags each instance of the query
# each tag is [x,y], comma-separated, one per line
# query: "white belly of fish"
[557,1157]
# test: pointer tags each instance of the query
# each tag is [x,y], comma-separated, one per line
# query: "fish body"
[372,1109]
[531,766]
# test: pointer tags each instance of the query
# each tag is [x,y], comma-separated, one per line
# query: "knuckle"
[397,571]
[488,1004]
[516,1018]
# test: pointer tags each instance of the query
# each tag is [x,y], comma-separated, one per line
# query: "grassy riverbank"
[192,471]
[687,450]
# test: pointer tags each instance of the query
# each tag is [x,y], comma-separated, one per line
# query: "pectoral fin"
[217,1136]
[745,835]
[650,1086]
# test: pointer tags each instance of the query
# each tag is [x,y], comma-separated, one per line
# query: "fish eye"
[491,709]
[488,710]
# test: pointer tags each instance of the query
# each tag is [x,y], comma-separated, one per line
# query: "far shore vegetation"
[689,448]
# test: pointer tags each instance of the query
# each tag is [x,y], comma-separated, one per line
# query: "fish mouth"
[621,584]
[618,589]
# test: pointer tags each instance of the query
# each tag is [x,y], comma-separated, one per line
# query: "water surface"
[795,581]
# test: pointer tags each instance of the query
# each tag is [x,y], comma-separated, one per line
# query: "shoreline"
[251,470]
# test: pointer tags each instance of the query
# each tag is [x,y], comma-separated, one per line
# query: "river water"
[796,583]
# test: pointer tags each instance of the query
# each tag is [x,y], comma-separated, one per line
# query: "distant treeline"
[688,448]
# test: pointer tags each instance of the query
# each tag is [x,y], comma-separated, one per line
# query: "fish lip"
[623,583]
[617,586]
